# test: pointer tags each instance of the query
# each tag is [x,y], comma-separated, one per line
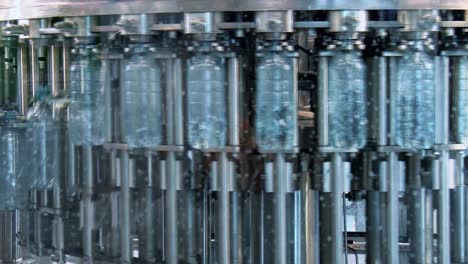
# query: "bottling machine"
[233,132]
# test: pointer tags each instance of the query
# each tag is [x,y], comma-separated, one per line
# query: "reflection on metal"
[237,131]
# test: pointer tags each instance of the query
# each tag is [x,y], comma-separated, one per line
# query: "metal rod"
[88,206]
[150,229]
[382,102]
[280,210]
[323,101]
[171,211]
[374,224]
[392,229]
[224,227]
[443,212]
[125,233]
[421,240]
[337,243]
[458,214]
[23,80]
[54,70]
[34,64]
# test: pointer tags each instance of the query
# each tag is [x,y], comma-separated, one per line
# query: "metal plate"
[17,9]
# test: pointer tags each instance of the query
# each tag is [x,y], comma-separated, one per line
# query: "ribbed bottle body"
[461,101]
[142,101]
[347,103]
[276,113]
[44,136]
[414,120]
[206,95]
[87,106]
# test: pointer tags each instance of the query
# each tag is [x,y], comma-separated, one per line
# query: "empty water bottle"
[276,113]
[461,101]
[414,120]
[206,95]
[7,169]
[87,108]
[347,104]
[44,136]
[142,100]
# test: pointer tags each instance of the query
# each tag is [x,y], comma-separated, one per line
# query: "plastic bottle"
[276,111]
[87,108]
[142,100]
[206,95]
[7,169]
[414,122]
[347,103]
[44,136]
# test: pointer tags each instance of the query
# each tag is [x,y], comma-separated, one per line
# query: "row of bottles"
[142,104]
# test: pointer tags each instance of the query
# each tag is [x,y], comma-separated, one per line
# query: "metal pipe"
[280,210]
[443,212]
[392,230]
[337,243]
[54,70]
[374,224]
[171,211]
[421,240]
[23,80]
[34,64]
[458,213]
[323,101]
[459,232]
[150,229]
[88,205]
[224,216]
[125,236]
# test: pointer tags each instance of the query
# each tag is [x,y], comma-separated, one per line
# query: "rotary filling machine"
[233,131]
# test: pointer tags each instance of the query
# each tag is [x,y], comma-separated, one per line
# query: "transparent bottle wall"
[462,100]
[44,142]
[275,102]
[414,120]
[142,102]
[86,113]
[253,137]
[16,178]
[206,95]
[347,112]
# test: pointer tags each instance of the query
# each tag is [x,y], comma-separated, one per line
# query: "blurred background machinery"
[233,131]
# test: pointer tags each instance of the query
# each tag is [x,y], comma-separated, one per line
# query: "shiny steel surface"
[10,10]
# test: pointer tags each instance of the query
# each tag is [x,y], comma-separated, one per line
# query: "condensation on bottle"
[87,106]
[347,104]
[276,113]
[414,120]
[206,95]
[44,137]
[142,101]
[462,101]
